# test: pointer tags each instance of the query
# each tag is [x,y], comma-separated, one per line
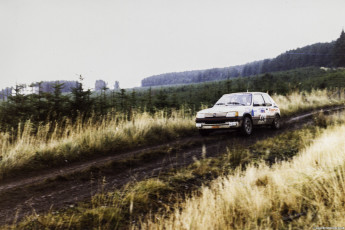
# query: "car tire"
[276,122]
[204,132]
[247,126]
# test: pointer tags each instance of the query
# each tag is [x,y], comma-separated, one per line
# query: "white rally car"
[239,110]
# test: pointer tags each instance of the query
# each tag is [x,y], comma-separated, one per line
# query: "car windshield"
[244,99]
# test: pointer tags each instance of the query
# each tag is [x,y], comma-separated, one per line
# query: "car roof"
[244,93]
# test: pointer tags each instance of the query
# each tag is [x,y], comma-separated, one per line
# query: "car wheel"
[276,122]
[247,126]
[204,132]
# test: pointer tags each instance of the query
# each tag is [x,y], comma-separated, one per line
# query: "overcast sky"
[129,40]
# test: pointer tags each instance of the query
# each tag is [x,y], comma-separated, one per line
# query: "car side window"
[267,99]
[258,100]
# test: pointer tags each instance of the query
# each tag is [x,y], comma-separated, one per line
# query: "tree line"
[330,54]
[55,106]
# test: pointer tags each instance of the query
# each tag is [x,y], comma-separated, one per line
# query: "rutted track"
[65,186]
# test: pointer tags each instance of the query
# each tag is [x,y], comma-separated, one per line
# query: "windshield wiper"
[220,104]
[235,103]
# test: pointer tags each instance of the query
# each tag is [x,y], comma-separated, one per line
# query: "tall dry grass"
[72,141]
[306,192]
[302,101]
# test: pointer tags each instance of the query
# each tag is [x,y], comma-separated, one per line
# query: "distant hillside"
[319,54]
[194,76]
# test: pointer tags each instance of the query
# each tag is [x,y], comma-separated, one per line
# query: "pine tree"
[113,99]
[228,85]
[58,100]
[161,101]
[103,101]
[133,99]
[39,103]
[339,51]
[149,101]
[132,104]
[174,101]
[123,100]
[81,99]
[18,107]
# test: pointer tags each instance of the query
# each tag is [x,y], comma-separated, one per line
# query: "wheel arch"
[243,126]
[248,115]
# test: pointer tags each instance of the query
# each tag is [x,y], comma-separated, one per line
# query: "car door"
[270,111]
[259,110]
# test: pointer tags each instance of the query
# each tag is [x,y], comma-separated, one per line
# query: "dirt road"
[65,186]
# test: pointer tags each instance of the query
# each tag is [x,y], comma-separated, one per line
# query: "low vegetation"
[282,83]
[166,193]
[306,192]
[33,148]
[55,106]
[70,142]
[300,102]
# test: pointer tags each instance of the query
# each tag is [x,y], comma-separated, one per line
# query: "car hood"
[221,111]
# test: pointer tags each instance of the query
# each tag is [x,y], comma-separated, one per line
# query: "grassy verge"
[305,192]
[299,102]
[74,142]
[128,206]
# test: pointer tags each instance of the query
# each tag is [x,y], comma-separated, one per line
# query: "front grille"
[216,120]
[219,114]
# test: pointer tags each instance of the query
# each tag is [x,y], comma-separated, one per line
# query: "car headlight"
[200,115]
[232,114]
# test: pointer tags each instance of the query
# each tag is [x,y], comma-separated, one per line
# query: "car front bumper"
[218,123]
